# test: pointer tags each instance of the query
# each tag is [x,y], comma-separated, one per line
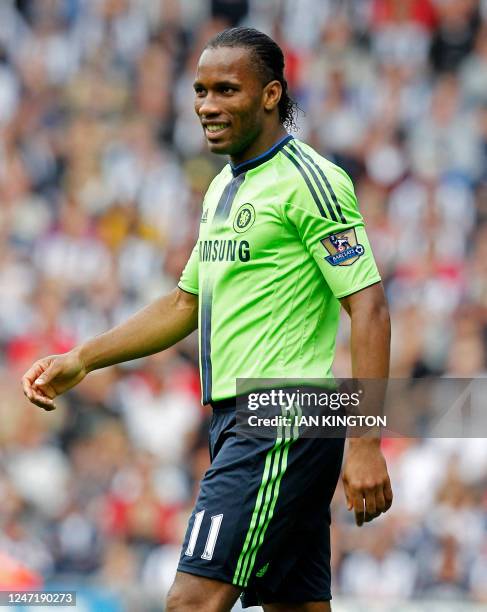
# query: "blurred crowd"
[103,168]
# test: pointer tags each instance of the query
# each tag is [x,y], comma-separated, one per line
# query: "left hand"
[366,481]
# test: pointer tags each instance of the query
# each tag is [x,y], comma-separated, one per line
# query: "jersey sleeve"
[189,278]
[325,213]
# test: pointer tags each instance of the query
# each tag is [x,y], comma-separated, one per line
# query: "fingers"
[32,391]
[388,496]
[347,495]
[32,373]
[367,484]
[380,501]
[47,375]
[45,403]
[38,398]
[368,502]
[358,507]
[370,506]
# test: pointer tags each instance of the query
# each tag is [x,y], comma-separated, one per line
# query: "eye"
[227,90]
[199,91]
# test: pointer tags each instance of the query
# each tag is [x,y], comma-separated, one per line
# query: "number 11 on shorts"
[216,522]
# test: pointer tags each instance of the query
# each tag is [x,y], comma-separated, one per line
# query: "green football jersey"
[281,239]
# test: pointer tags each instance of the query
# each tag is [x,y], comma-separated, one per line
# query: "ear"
[271,95]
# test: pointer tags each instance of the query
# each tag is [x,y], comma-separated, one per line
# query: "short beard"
[238,149]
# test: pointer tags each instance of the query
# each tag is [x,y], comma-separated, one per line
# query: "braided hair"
[269,62]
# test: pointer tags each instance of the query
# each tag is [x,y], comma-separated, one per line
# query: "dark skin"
[231,96]
[230,92]
[365,479]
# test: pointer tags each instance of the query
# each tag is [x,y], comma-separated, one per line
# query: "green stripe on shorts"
[274,469]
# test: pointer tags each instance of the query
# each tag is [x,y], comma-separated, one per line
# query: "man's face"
[229,99]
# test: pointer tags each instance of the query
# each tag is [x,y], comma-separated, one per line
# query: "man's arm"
[365,476]
[151,330]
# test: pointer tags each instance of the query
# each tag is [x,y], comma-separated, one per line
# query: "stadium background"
[102,172]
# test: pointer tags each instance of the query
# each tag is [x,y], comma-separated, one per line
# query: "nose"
[206,106]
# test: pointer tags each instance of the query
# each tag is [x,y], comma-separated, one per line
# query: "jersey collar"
[260,159]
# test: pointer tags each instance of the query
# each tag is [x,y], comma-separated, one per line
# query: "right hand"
[49,377]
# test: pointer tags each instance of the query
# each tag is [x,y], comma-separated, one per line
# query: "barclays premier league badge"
[342,248]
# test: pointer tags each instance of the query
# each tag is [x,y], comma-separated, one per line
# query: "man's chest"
[240,222]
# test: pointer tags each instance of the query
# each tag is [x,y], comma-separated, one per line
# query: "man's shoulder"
[313,161]
[311,177]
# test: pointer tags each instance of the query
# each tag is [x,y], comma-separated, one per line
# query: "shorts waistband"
[228,404]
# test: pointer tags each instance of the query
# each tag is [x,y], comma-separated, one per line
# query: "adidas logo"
[262,571]
[204,216]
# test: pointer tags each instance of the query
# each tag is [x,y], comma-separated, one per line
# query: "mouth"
[215,130]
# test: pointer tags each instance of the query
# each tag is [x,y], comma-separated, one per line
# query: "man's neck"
[263,143]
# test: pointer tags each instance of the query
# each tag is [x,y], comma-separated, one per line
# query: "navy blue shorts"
[262,517]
